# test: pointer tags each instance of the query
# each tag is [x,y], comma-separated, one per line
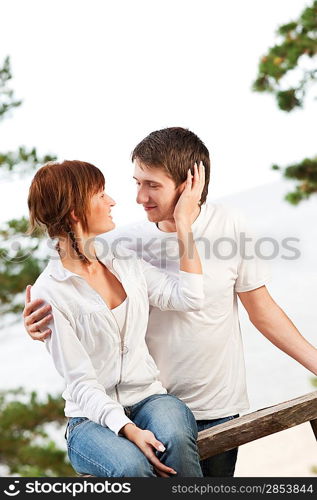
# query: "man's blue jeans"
[98,451]
[223,464]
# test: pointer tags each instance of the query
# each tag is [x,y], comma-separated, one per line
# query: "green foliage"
[25,447]
[287,100]
[7,101]
[298,39]
[297,45]
[314,381]
[305,172]
[20,261]
[22,161]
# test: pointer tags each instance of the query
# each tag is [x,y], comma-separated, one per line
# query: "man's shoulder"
[228,220]
[222,213]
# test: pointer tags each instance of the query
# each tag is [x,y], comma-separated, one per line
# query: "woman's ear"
[73,216]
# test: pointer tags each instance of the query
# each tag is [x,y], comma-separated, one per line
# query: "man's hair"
[174,150]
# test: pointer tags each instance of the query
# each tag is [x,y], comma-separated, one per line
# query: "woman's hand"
[147,442]
[189,199]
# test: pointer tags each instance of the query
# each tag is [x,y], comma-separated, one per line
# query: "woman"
[121,421]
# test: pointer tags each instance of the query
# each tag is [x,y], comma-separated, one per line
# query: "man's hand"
[35,318]
[147,442]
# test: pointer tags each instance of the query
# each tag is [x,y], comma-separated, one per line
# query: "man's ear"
[181,187]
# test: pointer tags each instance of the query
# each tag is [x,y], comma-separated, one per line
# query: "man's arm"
[276,326]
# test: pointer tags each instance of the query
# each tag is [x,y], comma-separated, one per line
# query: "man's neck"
[169,226]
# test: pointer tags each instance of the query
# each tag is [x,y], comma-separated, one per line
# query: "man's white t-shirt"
[200,354]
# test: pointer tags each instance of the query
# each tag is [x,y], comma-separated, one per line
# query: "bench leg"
[313,424]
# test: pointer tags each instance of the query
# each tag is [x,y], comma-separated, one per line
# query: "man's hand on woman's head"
[36,318]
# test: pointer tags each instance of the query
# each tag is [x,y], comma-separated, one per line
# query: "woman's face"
[99,216]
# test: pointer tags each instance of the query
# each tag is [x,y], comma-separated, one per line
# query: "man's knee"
[187,423]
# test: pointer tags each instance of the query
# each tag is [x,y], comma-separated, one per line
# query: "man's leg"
[223,464]
[96,450]
[174,425]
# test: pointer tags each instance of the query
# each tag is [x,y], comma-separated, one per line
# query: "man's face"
[156,192]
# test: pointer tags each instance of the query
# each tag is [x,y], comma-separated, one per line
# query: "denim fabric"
[223,464]
[96,450]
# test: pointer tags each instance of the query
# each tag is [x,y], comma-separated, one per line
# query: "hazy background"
[96,77]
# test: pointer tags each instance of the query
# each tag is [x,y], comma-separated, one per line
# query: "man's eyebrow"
[149,181]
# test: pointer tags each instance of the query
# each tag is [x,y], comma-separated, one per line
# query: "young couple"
[121,421]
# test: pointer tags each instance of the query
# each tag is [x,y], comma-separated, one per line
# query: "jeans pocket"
[72,424]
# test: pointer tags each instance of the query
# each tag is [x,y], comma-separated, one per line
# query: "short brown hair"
[56,190]
[175,150]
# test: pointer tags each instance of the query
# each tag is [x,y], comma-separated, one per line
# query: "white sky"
[98,76]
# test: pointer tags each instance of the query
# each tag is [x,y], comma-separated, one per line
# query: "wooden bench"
[258,424]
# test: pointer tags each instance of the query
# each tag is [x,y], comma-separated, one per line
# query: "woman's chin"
[105,229]
[110,225]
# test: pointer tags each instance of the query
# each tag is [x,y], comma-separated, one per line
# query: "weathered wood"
[258,424]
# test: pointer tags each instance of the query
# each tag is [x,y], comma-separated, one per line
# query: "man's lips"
[148,208]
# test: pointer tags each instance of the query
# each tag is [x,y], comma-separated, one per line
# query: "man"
[200,354]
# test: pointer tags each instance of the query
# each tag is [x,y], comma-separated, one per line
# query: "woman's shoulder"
[46,288]
[42,281]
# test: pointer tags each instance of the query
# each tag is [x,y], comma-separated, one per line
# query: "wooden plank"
[258,424]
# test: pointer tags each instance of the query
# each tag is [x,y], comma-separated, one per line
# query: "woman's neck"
[71,258]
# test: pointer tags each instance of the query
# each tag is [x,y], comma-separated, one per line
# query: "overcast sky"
[96,77]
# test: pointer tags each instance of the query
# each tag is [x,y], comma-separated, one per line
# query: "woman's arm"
[74,365]
[187,292]
[187,204]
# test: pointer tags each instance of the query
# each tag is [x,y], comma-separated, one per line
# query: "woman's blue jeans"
[98,451]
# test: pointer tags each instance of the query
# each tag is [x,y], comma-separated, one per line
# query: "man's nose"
[142,196]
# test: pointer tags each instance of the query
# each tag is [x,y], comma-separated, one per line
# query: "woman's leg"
[96,450]
[174,425]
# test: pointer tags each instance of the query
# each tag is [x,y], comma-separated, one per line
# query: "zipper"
[120,345]
[123,349]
